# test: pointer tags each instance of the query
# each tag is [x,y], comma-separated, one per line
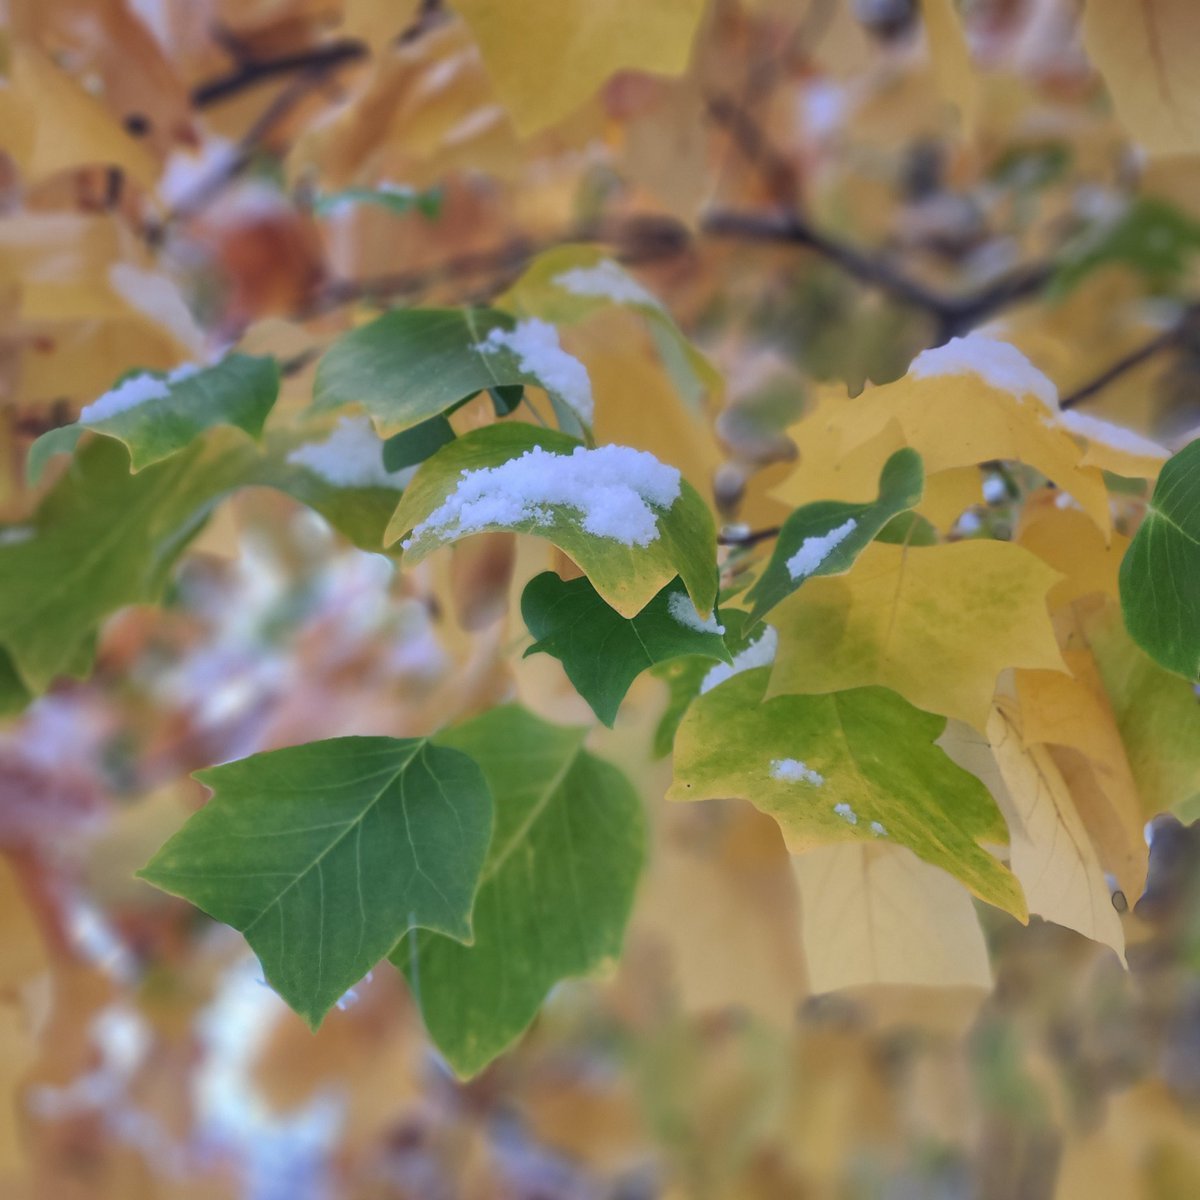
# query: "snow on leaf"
[627,519]
[539,353]
[352,456]
[876,754]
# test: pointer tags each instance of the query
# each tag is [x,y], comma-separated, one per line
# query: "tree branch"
[1163,341]
[251,72]
[750,537]
[953,313]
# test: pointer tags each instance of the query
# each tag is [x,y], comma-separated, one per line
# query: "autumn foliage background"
[816,190]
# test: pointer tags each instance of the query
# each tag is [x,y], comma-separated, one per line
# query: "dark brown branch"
[251,72]
[1156,345]
[954,314]
[750,538]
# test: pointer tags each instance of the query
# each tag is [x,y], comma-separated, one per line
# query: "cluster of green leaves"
[489,860]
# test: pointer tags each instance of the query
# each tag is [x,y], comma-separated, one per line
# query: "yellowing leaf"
[718,903]
[548,56]
[1049,847]
[857,766]
[954,418]
[1063,711]
[1114,448]
[1146,51]
[1067,540]
[627,382]
[1156,711]
[72,128]
[950,57]
[833,465]
[878,914]
[936,624]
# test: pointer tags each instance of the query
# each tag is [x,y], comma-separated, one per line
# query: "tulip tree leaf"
[824,538]
[556,889]
[325,855]
[238,391]
[858,765]
[413,364]
[603,652]
[627,577]
[104,538]
[1160,573]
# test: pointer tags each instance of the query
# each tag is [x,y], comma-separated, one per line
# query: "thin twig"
[249,72]
[252,72]
[750,538]
[953,313]
[1156,345]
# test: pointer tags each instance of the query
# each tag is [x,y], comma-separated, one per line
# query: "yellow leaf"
[1064,711]
[1155,710]
[377,22]
[23,957]
[950,58]
[936,624]
[1146,51]
[548,56]
[628,381]
[1115,448]
[1049,847]
[718,903]
[829,470]
[954,417]
[878,914]
[1069,541]
[72,128]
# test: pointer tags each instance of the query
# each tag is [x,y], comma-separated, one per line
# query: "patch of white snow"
[607,281]
[352,456]
[815,550]
[684,611]
[539,353]
[616,489]
[758,654]
[792,770]
[999,364]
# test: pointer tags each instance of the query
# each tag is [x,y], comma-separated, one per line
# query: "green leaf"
[628,577]
[238,391]
[415,445]
[603,652]
[878,776]
[104,538]
[1157,713]
[399,200]
[412,364]
[556,890]
[324,855]
[683,677]
[1160,573]
[14,695]
[1152,237]
[826,537]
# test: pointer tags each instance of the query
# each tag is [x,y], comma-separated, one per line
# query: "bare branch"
[1126,363]
[953,313]
[252,72]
